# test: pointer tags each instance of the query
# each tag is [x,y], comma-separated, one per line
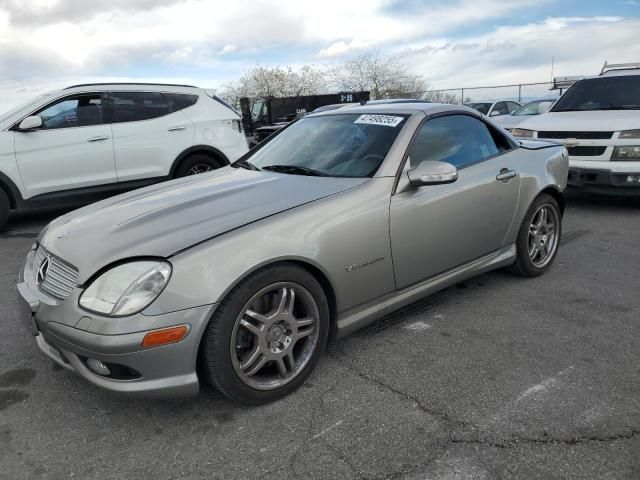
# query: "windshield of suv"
[603,93]
[481,107]
[345,145]
[533,108]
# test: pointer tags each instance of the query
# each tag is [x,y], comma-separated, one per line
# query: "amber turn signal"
[164,336]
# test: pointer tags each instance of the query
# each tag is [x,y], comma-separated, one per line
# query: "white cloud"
[53,42]
[229,49]
[517,54]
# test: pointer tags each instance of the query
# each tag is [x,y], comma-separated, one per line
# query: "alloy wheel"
[275,336]
[543,235]
[199,168]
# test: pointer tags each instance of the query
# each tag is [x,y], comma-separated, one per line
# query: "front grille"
[586,151]
[59,279]
[577,135]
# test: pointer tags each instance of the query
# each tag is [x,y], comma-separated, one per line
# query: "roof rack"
[128,83]
[619,66]
[560,83]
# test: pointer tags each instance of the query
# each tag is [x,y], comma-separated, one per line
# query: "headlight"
[522,133]
[126,289]
[629,134]
[630,153]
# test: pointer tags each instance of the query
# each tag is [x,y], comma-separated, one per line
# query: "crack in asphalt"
[475,430]
[406,396]
[520,440]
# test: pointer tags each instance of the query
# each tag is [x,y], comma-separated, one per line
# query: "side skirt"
[355,318]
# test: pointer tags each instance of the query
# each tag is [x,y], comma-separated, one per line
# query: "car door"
[437,228]
[149,132]
[72,150]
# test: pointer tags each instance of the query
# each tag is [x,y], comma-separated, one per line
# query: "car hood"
[166,218]
[510,121]
[610,120]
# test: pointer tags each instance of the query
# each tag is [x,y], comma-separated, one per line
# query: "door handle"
[176,128]
[98,139]
[506,174]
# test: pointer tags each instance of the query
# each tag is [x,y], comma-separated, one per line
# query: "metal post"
[462,96]
[520,93]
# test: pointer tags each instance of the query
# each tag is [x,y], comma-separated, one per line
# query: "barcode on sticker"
[384,120]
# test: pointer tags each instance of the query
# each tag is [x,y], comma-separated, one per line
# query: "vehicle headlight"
[126,289]
[630,153]
[629,134]
[522,133]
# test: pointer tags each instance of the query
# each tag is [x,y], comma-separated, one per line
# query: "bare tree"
[264,82]
[384,77]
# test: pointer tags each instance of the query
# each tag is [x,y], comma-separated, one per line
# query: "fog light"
[98,367]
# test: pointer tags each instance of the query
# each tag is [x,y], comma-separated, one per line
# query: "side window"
[513,106]
[180,101]
[458,139]
[135,106]
[75,111]
[501,108]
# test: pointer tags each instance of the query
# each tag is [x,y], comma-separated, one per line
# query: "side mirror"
[30,123]
[432,172]
[494,113]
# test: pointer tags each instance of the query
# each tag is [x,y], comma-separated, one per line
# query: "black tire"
[216,351]
[5,206]
[197,161]
[523,265]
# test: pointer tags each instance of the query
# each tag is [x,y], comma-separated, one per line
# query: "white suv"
[598,120]
[87,142]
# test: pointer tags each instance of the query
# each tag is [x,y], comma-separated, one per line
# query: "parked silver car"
[243,274]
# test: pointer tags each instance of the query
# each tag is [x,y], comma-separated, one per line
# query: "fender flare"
[206,149]
[13,192]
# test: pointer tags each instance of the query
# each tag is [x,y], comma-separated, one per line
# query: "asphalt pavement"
[495,378]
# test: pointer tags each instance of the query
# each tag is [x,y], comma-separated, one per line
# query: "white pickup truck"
[598,120]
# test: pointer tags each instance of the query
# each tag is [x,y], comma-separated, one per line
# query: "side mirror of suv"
[30,123]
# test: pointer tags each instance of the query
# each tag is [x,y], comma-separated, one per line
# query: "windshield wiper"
[244,164]
[295,170]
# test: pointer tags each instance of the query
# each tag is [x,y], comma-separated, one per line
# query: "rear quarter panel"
[213,126]
[539,169]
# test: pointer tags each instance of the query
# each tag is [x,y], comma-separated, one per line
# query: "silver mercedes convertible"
[239,277]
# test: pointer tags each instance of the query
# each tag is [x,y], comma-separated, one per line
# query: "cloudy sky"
[47,44]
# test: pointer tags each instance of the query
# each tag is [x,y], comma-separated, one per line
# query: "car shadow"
[30,222]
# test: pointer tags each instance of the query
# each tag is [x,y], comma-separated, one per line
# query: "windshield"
[603,93]
[534,108]
[481,107]
[346,145]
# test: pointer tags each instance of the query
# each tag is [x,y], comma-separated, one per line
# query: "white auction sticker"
[385,120]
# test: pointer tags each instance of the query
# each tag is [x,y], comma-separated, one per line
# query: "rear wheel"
[267,335]
[5,206]
[539,238]
[197,163]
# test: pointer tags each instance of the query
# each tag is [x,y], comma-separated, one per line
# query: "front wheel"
[539,238]
[267,335]
[195,164]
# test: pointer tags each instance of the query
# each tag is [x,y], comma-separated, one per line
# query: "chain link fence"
[521,92]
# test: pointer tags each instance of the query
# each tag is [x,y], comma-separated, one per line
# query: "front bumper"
[605,177]
[164,371]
